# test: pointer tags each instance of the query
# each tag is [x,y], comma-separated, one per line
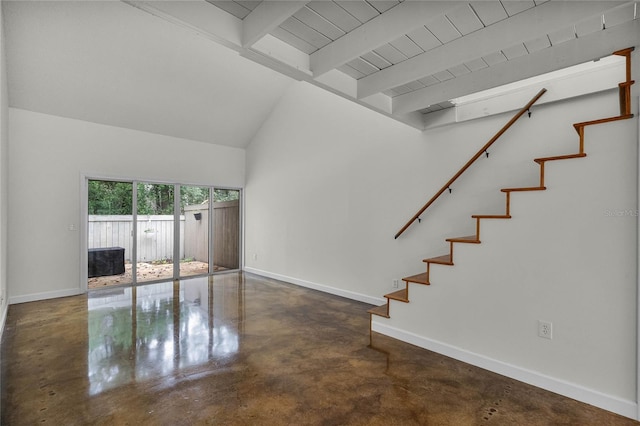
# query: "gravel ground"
[150,272]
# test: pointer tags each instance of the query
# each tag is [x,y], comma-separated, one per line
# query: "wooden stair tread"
[491,216]
[441,260]
[531,188]
[400,295]
[379,310]
[422,278]
[559,157]
[477,155]
[473,239]
[447,259]
[625,51]
[602,120]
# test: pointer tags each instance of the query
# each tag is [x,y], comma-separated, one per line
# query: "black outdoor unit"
[106,261]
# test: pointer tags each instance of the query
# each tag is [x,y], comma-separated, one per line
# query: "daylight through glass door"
[155,232]
[140,232]
[109,233]
[194,215]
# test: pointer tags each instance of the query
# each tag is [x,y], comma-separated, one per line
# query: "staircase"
[448,258]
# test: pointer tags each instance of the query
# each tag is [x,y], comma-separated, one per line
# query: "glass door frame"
[84,213]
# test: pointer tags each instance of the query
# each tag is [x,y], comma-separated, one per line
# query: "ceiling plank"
[267,16]
[232,7]
[513,7]
[465,20]
[548,17]
[395,23]
[574,52]
[489,12]
[361,10]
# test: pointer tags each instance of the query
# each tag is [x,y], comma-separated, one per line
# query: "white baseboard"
[46,295]
[606,402]
[320,287]
[3,319]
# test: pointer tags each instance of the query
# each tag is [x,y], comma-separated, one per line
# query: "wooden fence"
[155,235]
[226,233]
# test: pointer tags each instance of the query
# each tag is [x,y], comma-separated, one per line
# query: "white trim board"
[45,295]
[636,107]
[320,287]
[571,390]
[552,384]
[3,319]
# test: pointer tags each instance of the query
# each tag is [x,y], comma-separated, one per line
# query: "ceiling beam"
[577,51]
[267,16]
[525,26]
[386,27]
[215,24]
[199,17]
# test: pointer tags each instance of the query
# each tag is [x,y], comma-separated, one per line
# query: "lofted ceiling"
[213,70]
[409,59]
[106,62]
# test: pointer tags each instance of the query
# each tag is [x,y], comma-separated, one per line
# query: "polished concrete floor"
[244,350]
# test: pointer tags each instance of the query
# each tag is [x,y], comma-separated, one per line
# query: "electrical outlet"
[255,256]
[545,329]
[396,283]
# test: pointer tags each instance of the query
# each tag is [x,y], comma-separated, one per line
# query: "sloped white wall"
[49,155]
[329,184]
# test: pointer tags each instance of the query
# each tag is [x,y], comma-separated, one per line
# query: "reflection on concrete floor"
[244,350]
[151,271]
[153,330]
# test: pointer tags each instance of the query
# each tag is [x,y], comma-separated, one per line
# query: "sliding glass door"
[226,229]
[155,231]
[194,214]
[140,232]
[109,233]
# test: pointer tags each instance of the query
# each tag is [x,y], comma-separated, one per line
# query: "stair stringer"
[567,255]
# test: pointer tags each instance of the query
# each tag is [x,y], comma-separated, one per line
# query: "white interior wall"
[4,142]
[4,163]
[50,154]
[328,185]
[321,176]
[567,256]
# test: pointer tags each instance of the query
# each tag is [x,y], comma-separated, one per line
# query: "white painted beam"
[283,52]
[574,52]
[215,24]
[267,16]
[197,16]
[388,26]
[535,22]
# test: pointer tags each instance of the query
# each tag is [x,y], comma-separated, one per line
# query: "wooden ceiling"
[409,59]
